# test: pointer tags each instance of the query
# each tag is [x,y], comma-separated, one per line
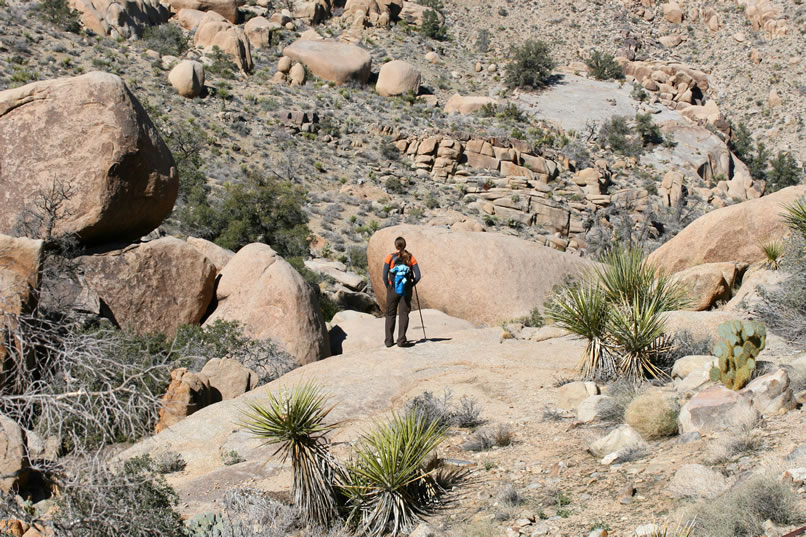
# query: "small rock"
[625,437]
[422,530]
[595,407]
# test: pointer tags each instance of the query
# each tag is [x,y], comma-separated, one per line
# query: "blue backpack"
[401,273]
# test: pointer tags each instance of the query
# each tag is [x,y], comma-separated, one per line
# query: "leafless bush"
[442,409]
[488,438]
[85,388]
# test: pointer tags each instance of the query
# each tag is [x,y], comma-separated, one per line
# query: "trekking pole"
[420,310]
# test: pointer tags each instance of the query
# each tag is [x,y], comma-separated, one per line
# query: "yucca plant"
[582,310]
[387,486]
[294,419]
[773,251]
[678,530]
[635,330]
[795,217]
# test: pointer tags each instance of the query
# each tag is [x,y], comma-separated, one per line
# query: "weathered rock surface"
[187,393]
[338,271]
[214,253]
[152,287]
[397,78]
[467,104]
[228,379]
[502,284]
[353,331]
[215,31]
[20,268]
[189,19]
[729,234]
[226,8]
[259,31]
[717,409]
[697,481]
[187,78]
[13,458]
[709,283]
[570,395]
[771,393]
[594,408]
[364,386]
[113,166]
[259,289]
[623,438]
[683,367]
[125,19]
[332,60]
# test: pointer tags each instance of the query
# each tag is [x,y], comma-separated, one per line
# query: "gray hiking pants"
[395,304]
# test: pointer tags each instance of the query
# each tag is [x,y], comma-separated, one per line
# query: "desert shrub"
[773,251]
[357,258]
[653,414]
[741,142]
[742,511]
[647,129]
[617,134]
[534,319]
[488,438]
[185,140]
[760,161]
[60,14]
[443,411]
[394,186]
[684,343]
[483,40]
[603,66]
[618,308]
[221,65]
[434,21]
[259,209]
[531,66]
[784,171]
[510,496]
[783,308]
[95,500]
[167,39]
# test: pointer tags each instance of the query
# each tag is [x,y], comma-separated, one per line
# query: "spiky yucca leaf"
[773,251]
[387,486]
[679,530]
[636,331]
[795,217]
[582,310]
[295,420]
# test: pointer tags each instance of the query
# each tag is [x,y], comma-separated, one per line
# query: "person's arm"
[415,268]
[386,272]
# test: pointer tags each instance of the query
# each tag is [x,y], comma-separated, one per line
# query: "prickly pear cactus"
[739,344]
[206,525]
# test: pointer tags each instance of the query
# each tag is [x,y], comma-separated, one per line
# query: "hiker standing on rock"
[400,274]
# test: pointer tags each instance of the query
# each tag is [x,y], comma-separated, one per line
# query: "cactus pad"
[739,345]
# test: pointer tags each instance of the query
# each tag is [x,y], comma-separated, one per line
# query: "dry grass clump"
[742,511]
[488,438]
[653,414]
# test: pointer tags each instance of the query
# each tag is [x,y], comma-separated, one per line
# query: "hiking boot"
[405,344]
[389,345]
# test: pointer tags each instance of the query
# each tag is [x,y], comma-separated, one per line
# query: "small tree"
[531,66]
[59,13]
[434,21]
[167,39]
[784,172]
[603,66]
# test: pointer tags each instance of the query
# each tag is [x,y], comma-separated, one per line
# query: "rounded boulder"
[187,78]
[332,60]
[87,143]
[397,78]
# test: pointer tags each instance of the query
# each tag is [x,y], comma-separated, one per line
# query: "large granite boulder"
[260,290]
[729,234]
[226,8]
[484,278]
[397,78]
[126,19]
[152,287]
[717,409]
[332,60]
[187,78]
[87,143]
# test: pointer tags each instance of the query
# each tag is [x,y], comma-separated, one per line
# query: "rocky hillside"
[198,195]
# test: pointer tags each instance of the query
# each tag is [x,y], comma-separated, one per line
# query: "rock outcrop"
[332,60]
[501,285]
[709,283]
[217,255]
[260,290]
[215,31]
[467,104]
[730,234]
[226,8]
[152,287]
[228,379]
[87,143]
[13,455]
[187,393]
[125,19]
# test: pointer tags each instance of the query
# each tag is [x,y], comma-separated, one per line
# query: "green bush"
[221,64]
[603,66]
[59,13]
[618,135]
[647,129]
[261,209]
[434,21]
[531,66]
[784,172]
[167,39]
